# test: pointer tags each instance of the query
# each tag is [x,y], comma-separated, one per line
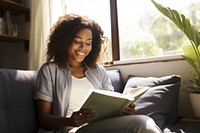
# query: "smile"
[81,53]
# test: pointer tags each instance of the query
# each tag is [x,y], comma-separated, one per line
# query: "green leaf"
[193,35]
[181,22]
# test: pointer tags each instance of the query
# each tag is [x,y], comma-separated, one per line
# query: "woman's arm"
[50,121]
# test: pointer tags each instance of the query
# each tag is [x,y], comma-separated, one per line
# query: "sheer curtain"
[44,13]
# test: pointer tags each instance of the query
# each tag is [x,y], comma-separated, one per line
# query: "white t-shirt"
[80,89]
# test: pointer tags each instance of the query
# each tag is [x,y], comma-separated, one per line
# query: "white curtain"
[44,13]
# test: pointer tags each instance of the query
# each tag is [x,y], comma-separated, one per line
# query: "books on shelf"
[108,103]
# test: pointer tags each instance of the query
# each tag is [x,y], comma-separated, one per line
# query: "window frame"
[116,44]
[114,31]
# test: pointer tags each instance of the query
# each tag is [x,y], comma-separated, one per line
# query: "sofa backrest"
[17,106]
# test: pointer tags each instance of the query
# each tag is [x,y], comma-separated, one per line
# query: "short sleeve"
[44,84]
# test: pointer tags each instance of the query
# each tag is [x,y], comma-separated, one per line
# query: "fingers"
[83,116]
[130,110]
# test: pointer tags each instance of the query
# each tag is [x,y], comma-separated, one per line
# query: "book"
[108,103]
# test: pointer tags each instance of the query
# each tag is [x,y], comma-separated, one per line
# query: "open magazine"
[108,103]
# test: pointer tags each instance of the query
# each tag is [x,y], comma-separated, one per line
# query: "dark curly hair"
[62,35]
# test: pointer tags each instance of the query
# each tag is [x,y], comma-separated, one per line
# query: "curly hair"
[62,34]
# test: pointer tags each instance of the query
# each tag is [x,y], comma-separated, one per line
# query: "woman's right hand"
[82,116]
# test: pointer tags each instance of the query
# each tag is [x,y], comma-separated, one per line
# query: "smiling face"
[80,47]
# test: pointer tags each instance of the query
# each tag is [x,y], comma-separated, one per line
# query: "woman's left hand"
[130,110]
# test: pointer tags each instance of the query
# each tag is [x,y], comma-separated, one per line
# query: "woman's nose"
[82,45]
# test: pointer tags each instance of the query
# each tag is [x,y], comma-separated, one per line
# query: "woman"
[71,70]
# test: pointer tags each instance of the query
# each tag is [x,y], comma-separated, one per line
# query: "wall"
[13,55]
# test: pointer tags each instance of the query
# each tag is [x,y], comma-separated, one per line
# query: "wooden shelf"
[8,38]
[18,14]
[14,7]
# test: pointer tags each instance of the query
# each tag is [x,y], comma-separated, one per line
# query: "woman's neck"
[77,70]
[75,64]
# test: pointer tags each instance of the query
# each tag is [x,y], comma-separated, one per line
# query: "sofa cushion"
[116,80]
[188,126]
[160,102]
[17,105]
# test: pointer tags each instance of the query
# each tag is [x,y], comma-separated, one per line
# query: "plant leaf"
[193,35]
[181,22]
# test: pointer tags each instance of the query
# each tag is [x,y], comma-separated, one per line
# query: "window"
[145,32]
[139,29]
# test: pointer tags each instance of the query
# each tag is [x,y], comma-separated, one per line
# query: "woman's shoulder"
[99,66]
[48,65]
[54,66]
[51,66]
[97,69]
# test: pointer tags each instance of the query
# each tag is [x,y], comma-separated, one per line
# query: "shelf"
[18,14]
[16,8]
[190,119]
[8,38]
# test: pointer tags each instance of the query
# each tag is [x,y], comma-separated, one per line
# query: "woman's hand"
[82,116]
[130,110]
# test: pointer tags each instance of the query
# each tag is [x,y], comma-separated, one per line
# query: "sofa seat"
[182,127]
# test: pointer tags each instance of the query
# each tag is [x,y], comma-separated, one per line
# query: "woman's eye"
[88,43]
[77,42]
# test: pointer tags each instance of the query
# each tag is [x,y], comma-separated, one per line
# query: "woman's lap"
[122,124]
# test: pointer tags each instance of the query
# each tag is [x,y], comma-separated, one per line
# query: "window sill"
[167,58]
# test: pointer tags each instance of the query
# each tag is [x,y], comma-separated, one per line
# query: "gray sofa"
[17,106]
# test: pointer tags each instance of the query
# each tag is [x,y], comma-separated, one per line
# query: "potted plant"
[191,51]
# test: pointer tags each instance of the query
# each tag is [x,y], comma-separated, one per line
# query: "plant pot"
[195,101]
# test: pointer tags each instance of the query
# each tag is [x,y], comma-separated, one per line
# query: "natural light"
[143,30]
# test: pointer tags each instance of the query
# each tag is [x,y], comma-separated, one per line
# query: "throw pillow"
[116,79]
[160,102]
